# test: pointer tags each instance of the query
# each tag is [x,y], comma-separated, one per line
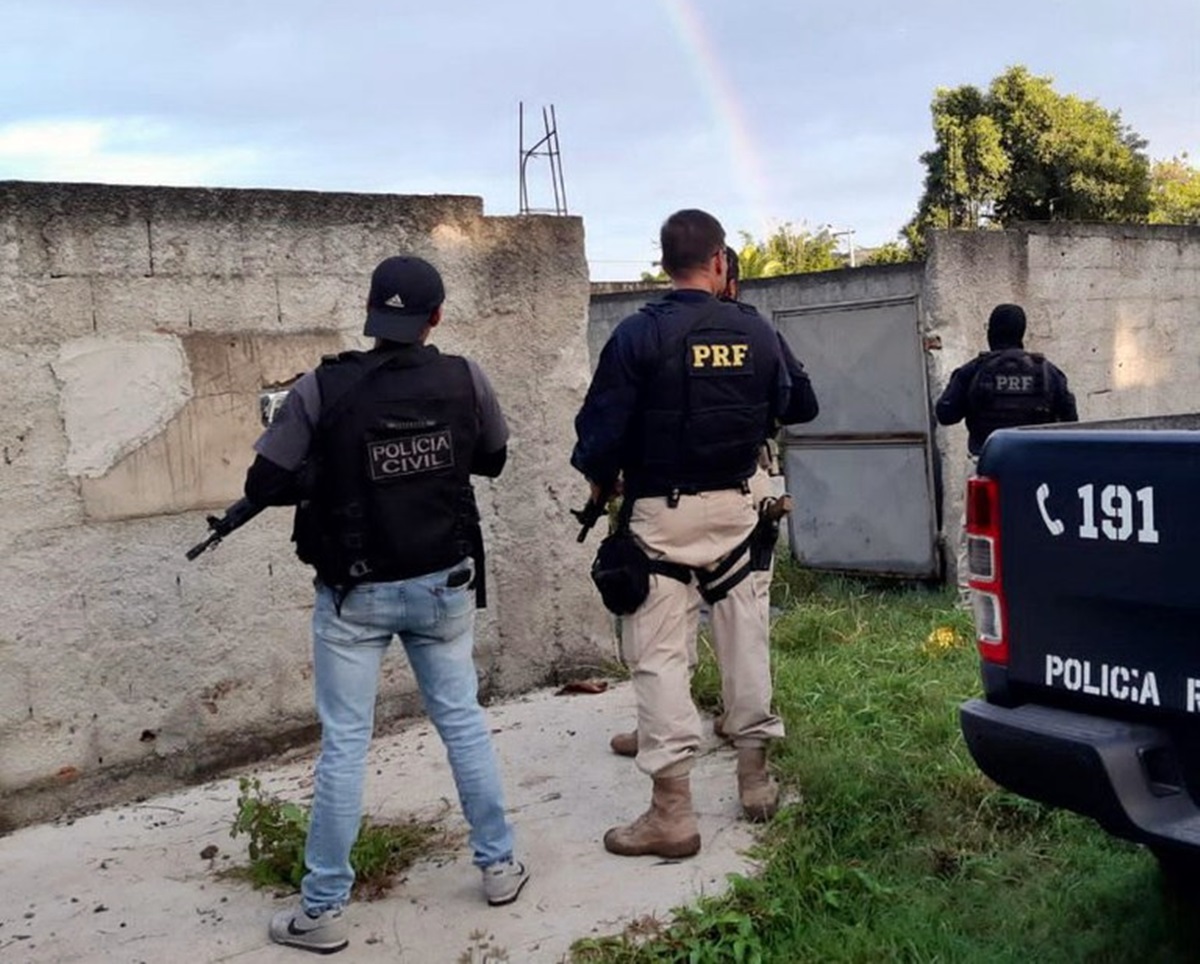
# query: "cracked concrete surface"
[129,884]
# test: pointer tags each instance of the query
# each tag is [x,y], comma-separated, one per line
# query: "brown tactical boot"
[757,792]
[624,744]
[667,829]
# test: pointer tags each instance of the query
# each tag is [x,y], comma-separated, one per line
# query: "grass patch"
[277,830]
[901,850]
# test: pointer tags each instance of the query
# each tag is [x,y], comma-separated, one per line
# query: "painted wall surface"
[139,326]
[1117,307]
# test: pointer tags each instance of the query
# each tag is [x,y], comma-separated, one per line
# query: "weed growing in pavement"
[277,831]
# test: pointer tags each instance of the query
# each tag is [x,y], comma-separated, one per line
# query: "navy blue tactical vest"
[1011,387]
[704,413]
[391,493]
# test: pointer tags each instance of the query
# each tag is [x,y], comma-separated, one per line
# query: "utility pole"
[848,234]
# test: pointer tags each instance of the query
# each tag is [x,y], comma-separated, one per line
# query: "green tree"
[1174,192]
[893,252]
[1023,152]
[787,250]
[967,169]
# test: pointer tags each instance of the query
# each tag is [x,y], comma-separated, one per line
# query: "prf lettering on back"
[1014,384]
[719,355]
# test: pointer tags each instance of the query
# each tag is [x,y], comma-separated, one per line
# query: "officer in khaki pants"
[686,391]
[762,488]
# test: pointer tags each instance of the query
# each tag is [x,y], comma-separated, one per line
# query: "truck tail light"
[983,563]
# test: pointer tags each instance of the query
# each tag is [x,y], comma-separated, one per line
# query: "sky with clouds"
[763,112]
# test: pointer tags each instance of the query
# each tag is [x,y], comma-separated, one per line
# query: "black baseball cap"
[405,291]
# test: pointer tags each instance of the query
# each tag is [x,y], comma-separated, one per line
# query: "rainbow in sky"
[727,109]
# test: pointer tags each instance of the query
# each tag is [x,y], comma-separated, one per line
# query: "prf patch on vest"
[712,353]
[406,455]
[1016,384]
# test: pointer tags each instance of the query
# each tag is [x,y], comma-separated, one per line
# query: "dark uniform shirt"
[955,402]
[604,423]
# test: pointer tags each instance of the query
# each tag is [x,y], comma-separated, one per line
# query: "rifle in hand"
[236,516]
[590,514]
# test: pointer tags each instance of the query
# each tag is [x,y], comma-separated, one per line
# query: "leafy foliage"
[893,252]
[277,831]
[787,250]
[1174,192]
[1023,152]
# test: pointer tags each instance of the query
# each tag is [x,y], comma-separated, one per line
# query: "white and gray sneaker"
[326,933]
[502,882]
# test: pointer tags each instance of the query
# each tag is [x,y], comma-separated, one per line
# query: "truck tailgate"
[1099,535]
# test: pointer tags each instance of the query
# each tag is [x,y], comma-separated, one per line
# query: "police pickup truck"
[1083,543]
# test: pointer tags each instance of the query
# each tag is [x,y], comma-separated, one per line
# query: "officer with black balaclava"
[1003,387]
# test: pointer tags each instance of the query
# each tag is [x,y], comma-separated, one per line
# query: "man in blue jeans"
[376,450]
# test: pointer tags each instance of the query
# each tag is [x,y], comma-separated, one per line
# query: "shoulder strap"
[375,361]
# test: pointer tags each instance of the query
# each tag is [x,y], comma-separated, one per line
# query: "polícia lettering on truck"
[1082,543]
[1101,679]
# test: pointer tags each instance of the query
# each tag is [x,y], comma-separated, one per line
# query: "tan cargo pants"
[658,640]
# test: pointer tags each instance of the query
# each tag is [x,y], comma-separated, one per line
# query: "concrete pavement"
[129,884]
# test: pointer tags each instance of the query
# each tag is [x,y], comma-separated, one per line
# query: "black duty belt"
[672,493]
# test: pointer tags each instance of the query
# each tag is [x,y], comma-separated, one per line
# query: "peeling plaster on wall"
[116,394]
[211,657]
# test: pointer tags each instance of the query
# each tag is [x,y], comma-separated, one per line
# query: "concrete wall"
[1117,307]
[139,326]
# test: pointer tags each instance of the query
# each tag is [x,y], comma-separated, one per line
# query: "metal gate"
[862,473]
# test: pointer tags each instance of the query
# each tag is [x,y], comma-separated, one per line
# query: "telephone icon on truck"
[1054,525]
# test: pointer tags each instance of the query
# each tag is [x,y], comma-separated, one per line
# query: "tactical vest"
[390,492]
[1011,387]
[703,415]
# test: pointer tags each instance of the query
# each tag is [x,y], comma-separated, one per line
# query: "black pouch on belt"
[621,571]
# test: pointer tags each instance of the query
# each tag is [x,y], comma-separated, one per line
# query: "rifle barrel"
[200,547]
